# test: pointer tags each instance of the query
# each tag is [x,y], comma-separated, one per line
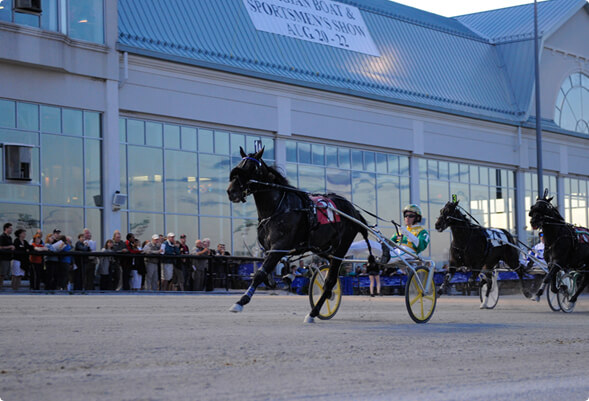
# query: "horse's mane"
[279,178]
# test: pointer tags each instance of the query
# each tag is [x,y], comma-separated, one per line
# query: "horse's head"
[543,211]
[251,167]
[448,213]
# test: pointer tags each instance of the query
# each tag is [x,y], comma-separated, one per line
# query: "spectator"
[199,265]
[302,270]
[52,261]
[90,272]
[170,248]
[151,264]
[5,245]
[185,266]
[104,266]
[80,262]
[127,262]
[373,271]
[20,263]
[116,271]
[537,251]
[221,250]
[137,266]
[36,273]
[65,278]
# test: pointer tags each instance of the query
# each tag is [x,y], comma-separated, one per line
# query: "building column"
[414,188]
[520,205]
[110,159]
[284,129]
[563,170]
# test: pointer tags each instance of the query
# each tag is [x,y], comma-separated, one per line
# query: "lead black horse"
[287,224]
[564,249]
[477,248]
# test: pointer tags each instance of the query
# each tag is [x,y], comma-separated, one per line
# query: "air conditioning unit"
[118,200]
[28,6]
[17,162]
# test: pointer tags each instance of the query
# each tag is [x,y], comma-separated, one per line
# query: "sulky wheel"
[493,295]
[419,305]
[552,298]
[331,305]
[566,289]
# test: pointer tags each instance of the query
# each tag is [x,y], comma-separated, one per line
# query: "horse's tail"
[364,232]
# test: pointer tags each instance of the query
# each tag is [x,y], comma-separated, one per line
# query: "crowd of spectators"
[129,265]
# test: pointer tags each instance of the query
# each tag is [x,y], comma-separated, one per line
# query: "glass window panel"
[72,122]
[237,141]
[85,20]
[369,161]
[123,130]
[394,164]
[50,15]
[318,154]
[94,224]
[221,143]
[92,124]
[381,163]
[268,144]
[28,116]
[70,220]
[363,190]
[567,117]
[205,141]
[213,176]
[6,13]
[432,169]
[146,187]
[181,182]
[182,224]
[27,19]
[7,114]
[144,225]
[62,181]
[153,134]
[312,179]
[135,132]
[479,204]
[251,143]
[443,171]
[292,174]
[171,136]
[188,136]
[423,168]
[387,190]
[291,151]
[92,171]
[405,192]
[344,157]
[464,172]
[357,160]
[29,138]
[461,191]
[123,167]
[50,119]
[331,156]
[474,174]
[454,172]
[21,216]
[245,238]
[218,230]
[304,150]
[19,192]
[438,196]
[339,182]
[404,165]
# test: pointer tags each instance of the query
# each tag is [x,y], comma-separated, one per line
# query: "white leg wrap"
[309,319]
[236,308]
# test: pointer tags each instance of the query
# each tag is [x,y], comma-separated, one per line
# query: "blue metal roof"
[426,60]
[517,23]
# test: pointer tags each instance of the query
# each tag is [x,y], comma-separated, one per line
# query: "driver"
[414,237]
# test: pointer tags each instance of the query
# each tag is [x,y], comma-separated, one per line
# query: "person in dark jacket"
[20,263]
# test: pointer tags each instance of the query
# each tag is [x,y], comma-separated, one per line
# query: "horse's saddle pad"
[582,234]
[323,214]
[496,237]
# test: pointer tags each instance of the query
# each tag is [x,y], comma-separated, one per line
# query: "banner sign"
[321,21]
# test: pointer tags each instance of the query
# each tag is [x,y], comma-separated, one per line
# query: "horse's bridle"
[237,173]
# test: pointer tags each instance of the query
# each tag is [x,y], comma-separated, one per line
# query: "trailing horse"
[565,246]
[477,248]
[288,223]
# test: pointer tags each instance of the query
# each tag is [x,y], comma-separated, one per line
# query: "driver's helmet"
[415,209]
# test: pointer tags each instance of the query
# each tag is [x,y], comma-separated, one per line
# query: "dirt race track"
[189,347]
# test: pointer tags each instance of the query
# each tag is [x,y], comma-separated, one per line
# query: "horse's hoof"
[535,298]
[236,308]
[484,304]
[309,319]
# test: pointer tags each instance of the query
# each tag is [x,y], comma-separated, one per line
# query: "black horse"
[562,247]
[477,248]
[287,224]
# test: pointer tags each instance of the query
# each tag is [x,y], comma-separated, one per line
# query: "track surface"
[189,347]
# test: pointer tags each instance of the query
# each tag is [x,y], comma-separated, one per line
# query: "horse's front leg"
[330,282]
[486,278]
[548,279]
[260,277]
[445,286]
